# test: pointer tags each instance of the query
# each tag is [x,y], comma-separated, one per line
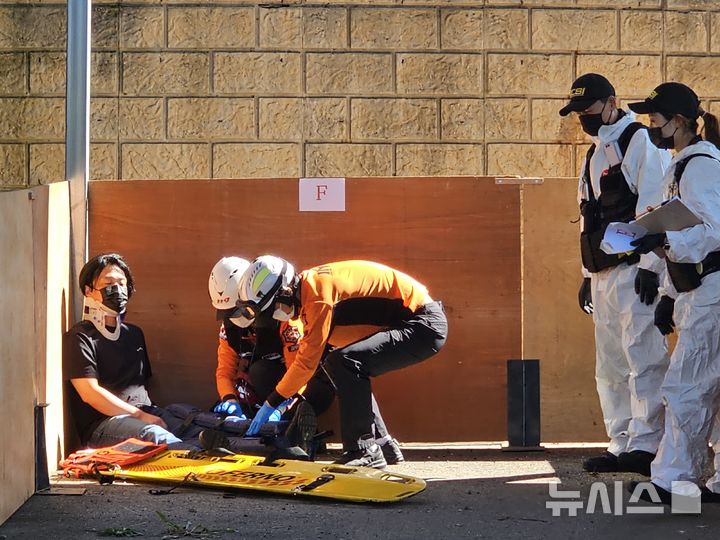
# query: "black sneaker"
[292,452]
[302,428]
[605,462]
[391,452]
[364,457]
[637,461]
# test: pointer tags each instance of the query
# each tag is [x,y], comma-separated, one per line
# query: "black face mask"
[656,137]
[591,123]
[114,297]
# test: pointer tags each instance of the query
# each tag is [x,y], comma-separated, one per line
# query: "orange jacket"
[347,294]
[229,362]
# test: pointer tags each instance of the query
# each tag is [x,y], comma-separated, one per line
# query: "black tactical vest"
[615,203]
[688,276]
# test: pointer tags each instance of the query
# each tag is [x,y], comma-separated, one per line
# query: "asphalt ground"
[471,493]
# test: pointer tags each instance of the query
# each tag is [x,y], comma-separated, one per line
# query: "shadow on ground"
[470,494]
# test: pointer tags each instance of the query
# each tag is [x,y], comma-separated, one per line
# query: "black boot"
[708,496]
[605,462]
[302,428]
[212,440]
[637,461]
[664,495]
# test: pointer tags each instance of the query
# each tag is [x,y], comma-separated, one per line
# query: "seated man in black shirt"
[107,363]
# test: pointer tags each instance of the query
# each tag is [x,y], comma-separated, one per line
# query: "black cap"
[585,91]
[669,99]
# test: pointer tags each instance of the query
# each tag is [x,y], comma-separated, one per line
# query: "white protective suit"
[692,385]
[631,354]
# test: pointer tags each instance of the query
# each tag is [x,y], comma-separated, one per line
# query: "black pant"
[266,372]
[351,367]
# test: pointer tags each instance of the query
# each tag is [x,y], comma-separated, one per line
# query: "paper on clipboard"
[618,236]
[672,215]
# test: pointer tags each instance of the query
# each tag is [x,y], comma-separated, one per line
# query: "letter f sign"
[321,191]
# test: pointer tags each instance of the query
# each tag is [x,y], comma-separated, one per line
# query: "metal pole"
[77,138]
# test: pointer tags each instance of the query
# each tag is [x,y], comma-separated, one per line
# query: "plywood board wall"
[52,268]
[555,330]
[17,336]
[459,236]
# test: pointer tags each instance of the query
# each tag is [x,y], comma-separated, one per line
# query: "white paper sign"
[322,194]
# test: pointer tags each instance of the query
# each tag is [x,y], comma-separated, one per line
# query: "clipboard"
[672,215]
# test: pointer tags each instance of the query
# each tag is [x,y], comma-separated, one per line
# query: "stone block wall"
[241,88]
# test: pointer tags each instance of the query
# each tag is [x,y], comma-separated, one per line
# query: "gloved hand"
[276,415]
[262,416]
[648,242]
[664,315]
[230,408]
[646,285]
[585,296]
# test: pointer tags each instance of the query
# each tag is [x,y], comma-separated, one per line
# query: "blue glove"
[276,415]
[230,408]
[262,416]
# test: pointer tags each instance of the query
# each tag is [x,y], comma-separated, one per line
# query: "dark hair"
[93,268]
[711,132]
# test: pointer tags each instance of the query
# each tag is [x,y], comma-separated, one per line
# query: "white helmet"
[261,283]
[223,285]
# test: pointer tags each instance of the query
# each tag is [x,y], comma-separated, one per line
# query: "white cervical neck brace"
[95,312]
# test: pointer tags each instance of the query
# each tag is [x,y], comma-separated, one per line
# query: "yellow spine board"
[289,477]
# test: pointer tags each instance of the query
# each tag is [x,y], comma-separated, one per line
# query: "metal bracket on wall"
[523,406]
[519,180]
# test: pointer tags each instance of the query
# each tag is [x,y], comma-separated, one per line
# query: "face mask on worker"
[115,297]
[281,314]
[242,322]
[657,138]
[591,123]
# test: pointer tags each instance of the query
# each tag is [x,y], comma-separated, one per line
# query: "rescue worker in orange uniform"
[326,299]
[252,357]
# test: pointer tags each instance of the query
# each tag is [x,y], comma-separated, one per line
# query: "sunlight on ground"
[482,445]
[517,472]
